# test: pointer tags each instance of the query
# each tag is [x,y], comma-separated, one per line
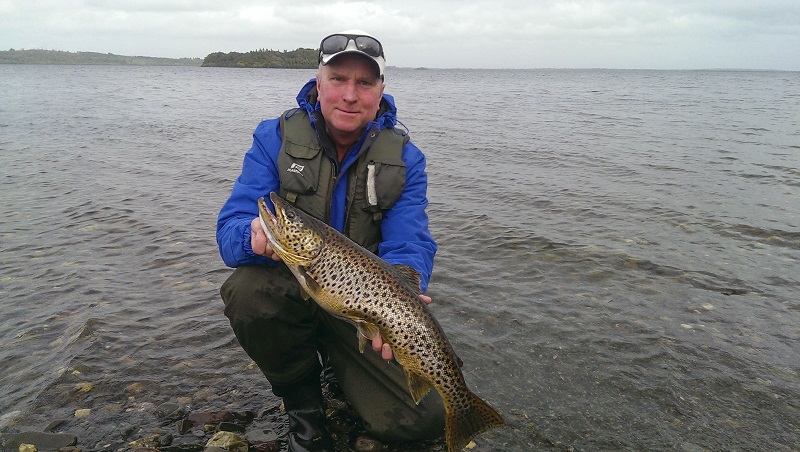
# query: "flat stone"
[42,441]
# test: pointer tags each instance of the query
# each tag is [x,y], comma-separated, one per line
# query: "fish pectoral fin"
[308,286]
[365,331]
[417,385]
[411,275]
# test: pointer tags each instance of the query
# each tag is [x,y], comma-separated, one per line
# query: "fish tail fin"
[460,427]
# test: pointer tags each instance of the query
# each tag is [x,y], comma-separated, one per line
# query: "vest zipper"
[331,184]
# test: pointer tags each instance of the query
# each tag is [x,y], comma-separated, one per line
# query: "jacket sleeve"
[258,178]
[406,238]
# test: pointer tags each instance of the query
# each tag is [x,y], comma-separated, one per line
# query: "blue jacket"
[406,238]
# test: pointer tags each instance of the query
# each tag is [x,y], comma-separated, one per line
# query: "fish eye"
[290,215]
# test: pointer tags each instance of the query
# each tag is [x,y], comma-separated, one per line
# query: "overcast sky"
[642,34]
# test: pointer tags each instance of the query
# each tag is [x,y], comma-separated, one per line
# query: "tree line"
[263,58]
[41,56]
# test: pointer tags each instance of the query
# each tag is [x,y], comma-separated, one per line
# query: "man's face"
[349,95]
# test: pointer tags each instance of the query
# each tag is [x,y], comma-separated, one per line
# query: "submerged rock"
[41,440]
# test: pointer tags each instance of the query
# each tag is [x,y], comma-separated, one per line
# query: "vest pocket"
[385,182]
[300,168]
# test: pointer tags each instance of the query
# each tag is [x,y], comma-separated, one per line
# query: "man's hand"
[384,349]
[259,242]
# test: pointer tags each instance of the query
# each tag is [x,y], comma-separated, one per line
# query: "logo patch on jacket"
[295,168]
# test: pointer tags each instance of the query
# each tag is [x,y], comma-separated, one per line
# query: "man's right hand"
[259,242]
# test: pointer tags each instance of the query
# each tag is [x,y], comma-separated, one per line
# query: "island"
[293,59]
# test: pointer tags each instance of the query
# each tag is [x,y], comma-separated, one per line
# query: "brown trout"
[354,284]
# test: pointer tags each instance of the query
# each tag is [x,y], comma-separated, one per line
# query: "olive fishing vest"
[375,181]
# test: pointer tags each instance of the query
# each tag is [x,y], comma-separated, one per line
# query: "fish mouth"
[268,225]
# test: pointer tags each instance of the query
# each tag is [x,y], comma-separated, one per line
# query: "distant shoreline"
[40,56]
[263,58]
[295,59]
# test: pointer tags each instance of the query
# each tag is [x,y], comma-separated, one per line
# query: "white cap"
[380,61]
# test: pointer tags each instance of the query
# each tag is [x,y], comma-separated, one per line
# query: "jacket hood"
[387,112]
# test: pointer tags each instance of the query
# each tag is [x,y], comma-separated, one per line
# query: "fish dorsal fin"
[411,275]
[365,331]
[416,385]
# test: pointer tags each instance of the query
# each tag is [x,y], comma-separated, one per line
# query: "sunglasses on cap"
[338,42]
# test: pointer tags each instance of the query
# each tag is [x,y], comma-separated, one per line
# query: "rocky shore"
[171,427]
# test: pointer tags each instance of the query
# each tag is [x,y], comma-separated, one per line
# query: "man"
[339,157]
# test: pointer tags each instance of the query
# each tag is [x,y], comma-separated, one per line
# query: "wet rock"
[272,446]
[691,447]
[212,417]
[166,408]
[43,441]
[231,427]
[184,426]
[55,425]
[126,430]
[367,444]
[182,448]
[258,436]
[227,441]
[244,417]
[170,412]
[151,442]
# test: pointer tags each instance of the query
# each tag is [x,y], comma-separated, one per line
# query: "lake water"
[618,266]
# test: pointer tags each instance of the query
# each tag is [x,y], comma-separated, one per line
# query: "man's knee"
[257,291]
[276,328]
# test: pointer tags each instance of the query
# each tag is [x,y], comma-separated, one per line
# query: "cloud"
[435,33]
